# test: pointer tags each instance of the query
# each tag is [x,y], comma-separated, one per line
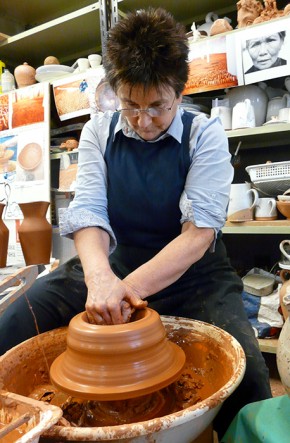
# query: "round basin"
[214,355]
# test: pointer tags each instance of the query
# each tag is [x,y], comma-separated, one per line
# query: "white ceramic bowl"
[283,198]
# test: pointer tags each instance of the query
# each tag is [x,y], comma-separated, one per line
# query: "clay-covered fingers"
[95,319]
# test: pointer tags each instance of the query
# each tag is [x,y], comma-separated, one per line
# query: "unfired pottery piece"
[112,362]
[30,156]
[24,75]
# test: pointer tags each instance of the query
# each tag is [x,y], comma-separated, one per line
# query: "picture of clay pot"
[30,157]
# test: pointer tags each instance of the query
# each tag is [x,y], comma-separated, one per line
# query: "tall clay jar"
[24,75]
[4,238]
[35,233]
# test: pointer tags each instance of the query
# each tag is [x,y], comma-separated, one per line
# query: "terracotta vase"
[4,238]
[24,75]
[35,233]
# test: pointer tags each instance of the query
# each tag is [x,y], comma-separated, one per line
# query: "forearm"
[172,261]
[92,245]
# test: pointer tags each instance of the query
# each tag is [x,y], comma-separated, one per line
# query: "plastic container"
[2,66]
[270,178]
[7,81]
[25,419]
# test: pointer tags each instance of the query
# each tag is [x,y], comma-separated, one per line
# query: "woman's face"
[148,127]
[264,51]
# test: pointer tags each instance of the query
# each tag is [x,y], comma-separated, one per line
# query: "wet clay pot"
[283,349]
[35,233]
[113,362]
[24,75]
[210,352]
[4,238]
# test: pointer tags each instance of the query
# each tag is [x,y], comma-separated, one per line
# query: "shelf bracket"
[108,18]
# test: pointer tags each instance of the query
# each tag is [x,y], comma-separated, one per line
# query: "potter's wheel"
[117,362]
[215,364]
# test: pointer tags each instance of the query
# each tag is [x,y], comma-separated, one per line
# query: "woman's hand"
[110,300]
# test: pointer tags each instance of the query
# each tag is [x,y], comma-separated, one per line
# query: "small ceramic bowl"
[284,208]
[284,197]
[115,362]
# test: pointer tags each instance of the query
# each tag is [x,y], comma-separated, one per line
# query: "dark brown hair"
[148,48]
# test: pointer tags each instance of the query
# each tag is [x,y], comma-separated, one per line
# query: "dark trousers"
[209,291]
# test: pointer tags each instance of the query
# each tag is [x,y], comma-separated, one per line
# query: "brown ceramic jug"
[4,238]
[24,75]
[35,233]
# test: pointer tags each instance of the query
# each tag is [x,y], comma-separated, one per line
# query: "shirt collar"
[175,130]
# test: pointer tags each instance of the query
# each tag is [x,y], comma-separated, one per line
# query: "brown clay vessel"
[113,362]
[35,233]
[24,75]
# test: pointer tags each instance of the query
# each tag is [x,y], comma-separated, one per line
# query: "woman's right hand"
[110,300]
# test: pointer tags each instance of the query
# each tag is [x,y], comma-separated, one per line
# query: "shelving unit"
[268,345]
[69,29]
[73,31]
[258,227]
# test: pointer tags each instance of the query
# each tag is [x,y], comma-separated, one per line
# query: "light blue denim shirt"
[204,199]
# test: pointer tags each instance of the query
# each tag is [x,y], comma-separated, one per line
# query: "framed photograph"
[265,51]
[212,64]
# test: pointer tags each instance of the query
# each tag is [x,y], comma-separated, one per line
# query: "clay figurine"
[219,26]
[248,11]
[269,12]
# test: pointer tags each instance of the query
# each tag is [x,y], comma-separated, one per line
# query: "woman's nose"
[263,48]
[144,119]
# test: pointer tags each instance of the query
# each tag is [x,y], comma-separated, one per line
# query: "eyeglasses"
[154,111]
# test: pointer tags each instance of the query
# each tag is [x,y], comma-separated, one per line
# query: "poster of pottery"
[24,155]
[74,95]
[212,64]
[265,51]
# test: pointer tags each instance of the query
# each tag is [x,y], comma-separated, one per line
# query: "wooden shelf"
[268,345]
[261,136]
[258,227]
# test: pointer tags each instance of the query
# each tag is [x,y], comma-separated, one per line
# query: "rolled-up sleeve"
[89,206]
[206,194]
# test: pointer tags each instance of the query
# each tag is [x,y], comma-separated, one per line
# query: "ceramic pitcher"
[243,115]
[275,104]
[243,199]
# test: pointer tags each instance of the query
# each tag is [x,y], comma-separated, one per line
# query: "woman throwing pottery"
[151,198]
